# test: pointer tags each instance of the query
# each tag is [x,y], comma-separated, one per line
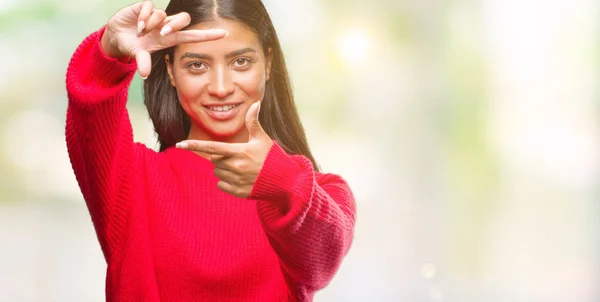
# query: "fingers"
[144,15]
[195,35]
[233,183]
[175,23]
[217,158]
[210,147]
[241,192]
[225,175]
[144,63]
[156,19]
[233,164]
[225,187]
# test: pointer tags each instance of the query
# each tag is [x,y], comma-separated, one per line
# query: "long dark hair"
[278,114]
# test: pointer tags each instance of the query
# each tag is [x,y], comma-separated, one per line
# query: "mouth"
[222,108]
[222,112]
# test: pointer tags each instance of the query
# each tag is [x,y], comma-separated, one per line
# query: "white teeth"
[223,108]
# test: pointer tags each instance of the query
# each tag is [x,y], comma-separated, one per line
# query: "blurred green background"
[468,130]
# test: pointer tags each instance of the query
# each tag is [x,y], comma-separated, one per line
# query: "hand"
[237,165]
[140,29]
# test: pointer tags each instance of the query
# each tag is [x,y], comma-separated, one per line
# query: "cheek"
[189,89]
[252,83]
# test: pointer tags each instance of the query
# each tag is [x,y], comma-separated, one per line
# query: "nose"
[221,84]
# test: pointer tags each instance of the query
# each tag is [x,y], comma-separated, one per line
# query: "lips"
[222,112]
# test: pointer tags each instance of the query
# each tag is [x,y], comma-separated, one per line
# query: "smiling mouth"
[221,108]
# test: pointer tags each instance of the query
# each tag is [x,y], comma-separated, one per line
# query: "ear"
[170,70]
[268,64]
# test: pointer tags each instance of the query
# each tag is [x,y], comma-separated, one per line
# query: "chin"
[222,132]
[223,135]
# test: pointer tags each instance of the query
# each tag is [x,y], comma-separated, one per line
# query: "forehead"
[239,37]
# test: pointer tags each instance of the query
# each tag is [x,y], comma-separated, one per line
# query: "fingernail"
[166,30]
[258,112]
[181,145]
[144,78]
[141,26]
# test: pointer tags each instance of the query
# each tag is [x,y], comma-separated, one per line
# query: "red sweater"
[167,232]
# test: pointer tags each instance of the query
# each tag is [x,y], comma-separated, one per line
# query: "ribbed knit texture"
[167,232]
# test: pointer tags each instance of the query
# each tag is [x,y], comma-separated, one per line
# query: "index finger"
[195,35]
[210,147]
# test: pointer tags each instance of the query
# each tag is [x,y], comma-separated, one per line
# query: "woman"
[232,208]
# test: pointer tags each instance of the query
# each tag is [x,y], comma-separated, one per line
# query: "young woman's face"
[217,81]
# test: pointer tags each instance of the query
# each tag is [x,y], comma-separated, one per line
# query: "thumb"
[144,63]
[252,123]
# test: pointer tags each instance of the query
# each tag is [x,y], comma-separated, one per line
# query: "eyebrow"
[194,55]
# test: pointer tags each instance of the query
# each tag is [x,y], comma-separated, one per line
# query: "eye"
[241,62]
[196,65]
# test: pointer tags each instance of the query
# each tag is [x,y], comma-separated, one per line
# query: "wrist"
[107,45]
[278,176]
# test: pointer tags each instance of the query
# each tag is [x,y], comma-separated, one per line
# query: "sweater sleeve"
[99,136]
[308,217]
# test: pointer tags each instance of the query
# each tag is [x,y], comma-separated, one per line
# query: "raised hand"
[140,29]
[237,165]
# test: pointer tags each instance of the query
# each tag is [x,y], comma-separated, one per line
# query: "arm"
[308,217]
[99,135]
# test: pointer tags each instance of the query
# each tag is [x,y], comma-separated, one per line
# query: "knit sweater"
[169,234]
